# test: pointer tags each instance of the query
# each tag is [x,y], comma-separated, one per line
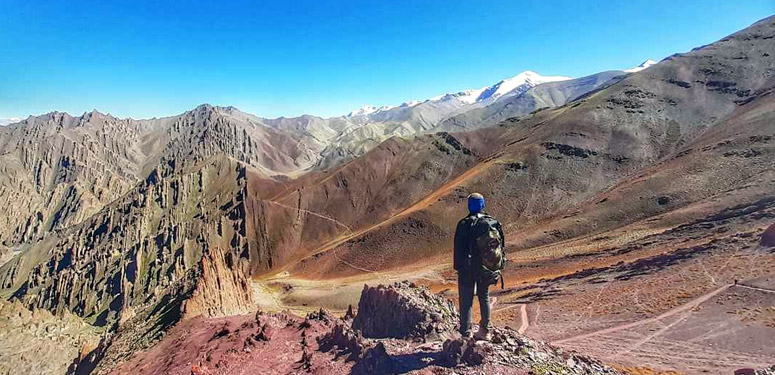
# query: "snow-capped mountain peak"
[642,66]
[488,94]
[366,110]
[518,84]
[465,96]
[370,109]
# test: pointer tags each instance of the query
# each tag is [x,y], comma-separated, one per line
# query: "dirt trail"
[524,322]
[419,205]
[337,222]
[755,288]
[353,266]
[652,336]
[324,217]
[523,316]
[687,306]
[445,189]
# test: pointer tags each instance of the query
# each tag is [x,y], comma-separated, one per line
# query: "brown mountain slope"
[619,207]
[320,209]
[551,168]
[58,169]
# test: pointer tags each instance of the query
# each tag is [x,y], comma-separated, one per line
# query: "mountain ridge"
[612,186]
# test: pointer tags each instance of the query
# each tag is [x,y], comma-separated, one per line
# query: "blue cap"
[475,203]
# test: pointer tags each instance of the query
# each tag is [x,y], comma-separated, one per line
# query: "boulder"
[404,311]
[374,361]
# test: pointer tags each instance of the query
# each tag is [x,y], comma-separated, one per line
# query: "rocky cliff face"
[125,258]
[223,287]
[207,131]
[57,170]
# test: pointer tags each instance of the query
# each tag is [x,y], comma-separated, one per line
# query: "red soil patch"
[273,343]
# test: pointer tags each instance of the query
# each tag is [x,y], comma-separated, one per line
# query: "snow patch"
[642,66]
[367,110]
[517,84]
[514,85]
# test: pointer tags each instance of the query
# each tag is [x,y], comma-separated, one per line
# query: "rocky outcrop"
[223,287]
[260,343]
[171,238]
[398,324]
[345,341]
[282,343]
[768,237]
[404,311]
[509,348]
[38,342]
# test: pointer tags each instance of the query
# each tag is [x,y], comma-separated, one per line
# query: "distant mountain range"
[606,184]
[488,94]
[84,162]
[342,138]
[351,135]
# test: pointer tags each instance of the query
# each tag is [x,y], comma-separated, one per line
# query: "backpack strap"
[476,218]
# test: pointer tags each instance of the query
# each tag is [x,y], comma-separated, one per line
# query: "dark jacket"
[464,238]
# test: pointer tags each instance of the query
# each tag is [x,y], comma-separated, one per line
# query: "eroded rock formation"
[38,342]
[184,231]
[404,311]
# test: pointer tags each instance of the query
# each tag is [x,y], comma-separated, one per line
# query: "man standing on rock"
[478,260]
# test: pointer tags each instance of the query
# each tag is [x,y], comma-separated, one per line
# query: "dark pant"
[465,286]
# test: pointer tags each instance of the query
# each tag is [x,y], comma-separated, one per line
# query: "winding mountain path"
[318,215]
[676,310]
[419,205]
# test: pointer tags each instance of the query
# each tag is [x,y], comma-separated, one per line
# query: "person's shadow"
[402,363]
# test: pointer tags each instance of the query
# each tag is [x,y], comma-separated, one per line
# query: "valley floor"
[696,298]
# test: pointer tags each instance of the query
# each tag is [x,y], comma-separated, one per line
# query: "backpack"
[487,245]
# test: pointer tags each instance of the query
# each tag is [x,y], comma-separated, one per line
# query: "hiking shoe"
[483,334]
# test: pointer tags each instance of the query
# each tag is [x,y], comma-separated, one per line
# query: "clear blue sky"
[323,57]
